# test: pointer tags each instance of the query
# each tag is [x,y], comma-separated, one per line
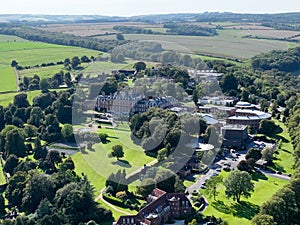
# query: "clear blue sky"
[142,7]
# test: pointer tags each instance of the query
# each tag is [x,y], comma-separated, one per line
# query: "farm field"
[242,213]
[271,33]
[296,38]
[229,43]
[28,53]
[42,72]
[7,98]
[91,29]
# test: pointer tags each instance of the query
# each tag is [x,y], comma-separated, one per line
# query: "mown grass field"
[2,177]
[6,99]
[101,161]
[236,214]
[229,43]
[285,159]
[98,164]
[28,53]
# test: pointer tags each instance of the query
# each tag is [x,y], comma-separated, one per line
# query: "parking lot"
[230,159]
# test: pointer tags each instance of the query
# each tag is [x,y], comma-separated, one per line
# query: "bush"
[122,195]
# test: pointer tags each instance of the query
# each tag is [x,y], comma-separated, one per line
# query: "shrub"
[122,195]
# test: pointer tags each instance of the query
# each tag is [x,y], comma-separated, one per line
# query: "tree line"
[284,205]
[287,61]
[34,34]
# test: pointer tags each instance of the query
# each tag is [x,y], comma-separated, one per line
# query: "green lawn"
[99,159]
[97,164]
[2,177]
[236,214]
[285,159]
[228,43]
[8,80]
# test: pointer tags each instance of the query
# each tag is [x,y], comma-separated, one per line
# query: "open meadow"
[100,164]
[235,213]
[229,43]
[28,53]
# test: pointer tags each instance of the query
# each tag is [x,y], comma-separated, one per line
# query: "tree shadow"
[221,207]
[277,167]
[258,176]
[245,209]
[190,178]
[287,151]
[122,163]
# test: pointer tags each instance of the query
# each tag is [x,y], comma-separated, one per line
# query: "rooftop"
[234,127]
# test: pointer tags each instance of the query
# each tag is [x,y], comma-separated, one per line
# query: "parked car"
[219,169]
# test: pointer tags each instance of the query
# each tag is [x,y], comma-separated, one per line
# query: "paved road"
[100,197]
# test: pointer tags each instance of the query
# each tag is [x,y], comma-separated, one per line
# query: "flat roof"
[234,127]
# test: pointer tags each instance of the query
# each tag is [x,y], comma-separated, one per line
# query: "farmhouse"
[161,207]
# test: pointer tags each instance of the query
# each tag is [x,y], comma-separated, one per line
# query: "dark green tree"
[146,187]
[15,143]
[117,151]
[44,85]
[139,66]
[10,164]
[238,184]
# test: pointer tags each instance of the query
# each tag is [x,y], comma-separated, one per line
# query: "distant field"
[88,29]
[228,44]
[5,99]
[42,72]
[7,78]
[271,33]
[28,53]
[297,38]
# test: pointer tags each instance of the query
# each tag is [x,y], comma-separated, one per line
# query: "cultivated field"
[271,33]
[90,29]
[229,43]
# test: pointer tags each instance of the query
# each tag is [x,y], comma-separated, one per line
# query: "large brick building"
[161,207]
[124,104]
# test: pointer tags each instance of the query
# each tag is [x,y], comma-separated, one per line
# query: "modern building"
[225,101]
[249,117]
[245,105]
[234,135]
[205,75]
[161,207]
